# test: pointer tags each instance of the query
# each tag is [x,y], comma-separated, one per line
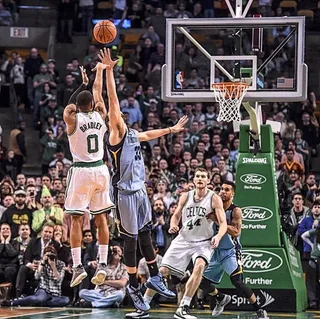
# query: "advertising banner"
[273,276]
[258,197]
[268,299]
[266,268]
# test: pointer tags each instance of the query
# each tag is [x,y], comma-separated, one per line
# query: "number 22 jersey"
[195,226]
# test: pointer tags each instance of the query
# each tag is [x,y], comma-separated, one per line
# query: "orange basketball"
[105,31]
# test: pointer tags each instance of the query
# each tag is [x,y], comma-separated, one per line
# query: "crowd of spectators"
[31,211]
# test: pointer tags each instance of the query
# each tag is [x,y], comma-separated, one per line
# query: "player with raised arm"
[196,239]
[227,258]
[134,216]
[88,178]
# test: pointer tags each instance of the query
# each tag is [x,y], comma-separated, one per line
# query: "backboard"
[267,53]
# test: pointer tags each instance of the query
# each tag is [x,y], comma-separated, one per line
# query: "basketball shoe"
[138,301]
[184,313]
[100,275]
[262,314]
[78,275]
[156,283]
[137,314]
[218,309]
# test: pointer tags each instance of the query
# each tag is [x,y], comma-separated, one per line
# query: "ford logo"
[256,214]
[253,179]
[258,261]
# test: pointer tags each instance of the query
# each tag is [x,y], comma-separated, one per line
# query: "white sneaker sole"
[78,280]
[133,316]
[99,278]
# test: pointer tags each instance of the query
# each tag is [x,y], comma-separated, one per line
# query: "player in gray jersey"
[195,241]
[134,216]
[227,258]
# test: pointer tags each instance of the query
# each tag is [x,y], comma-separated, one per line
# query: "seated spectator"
[18,213]
[50,272]
[22,241]
[112,292]
[32,257]
[47,214]
[8,255]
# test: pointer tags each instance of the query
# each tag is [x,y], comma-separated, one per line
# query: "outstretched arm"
[97,90]
[116,122]
[150,135]
[82,87]
[69,113]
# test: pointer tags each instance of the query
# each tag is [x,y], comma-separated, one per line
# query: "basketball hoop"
[230,95]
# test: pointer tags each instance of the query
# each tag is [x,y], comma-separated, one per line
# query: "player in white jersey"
[88,178]
[195,240]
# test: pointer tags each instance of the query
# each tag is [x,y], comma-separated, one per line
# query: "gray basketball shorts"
[134,213]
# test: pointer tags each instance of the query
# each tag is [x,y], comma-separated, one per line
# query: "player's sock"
[186,301]
[76,256]
[103,253]
[255,306]
[148,298]
[219,296]
[153,269]
[133,280]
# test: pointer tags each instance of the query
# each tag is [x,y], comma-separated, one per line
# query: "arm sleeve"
[73,97]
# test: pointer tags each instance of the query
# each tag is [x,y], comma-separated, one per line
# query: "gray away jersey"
[128,163]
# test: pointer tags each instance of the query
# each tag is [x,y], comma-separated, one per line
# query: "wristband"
[169,130]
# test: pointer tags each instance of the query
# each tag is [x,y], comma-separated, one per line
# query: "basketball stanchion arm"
[253,120]
[206,53]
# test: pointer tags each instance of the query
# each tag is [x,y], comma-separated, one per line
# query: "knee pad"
[146,247]
[130,252]
[242,288]
[207,286]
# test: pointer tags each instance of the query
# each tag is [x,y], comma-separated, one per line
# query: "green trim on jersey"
[88,164]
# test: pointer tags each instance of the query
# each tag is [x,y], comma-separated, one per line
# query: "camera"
[52,257]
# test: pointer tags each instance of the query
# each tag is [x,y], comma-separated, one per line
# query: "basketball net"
[229,95]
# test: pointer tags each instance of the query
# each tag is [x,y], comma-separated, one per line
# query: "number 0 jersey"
[86,141]
[195,225]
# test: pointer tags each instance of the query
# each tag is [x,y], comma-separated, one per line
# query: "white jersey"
[195,226]
[87,139]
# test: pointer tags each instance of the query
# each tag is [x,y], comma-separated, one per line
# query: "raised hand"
[99,66]
[180,125]
[85,79]
[105,58]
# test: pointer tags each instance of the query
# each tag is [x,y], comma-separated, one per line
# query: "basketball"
[105,31]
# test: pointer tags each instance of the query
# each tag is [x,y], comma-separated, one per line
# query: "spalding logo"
[258,261]
[255,214]
[253,179]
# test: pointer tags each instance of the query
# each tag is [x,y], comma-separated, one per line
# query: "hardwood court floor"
[160,313]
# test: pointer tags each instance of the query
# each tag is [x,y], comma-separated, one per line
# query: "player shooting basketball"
[88,178]
[134,216]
